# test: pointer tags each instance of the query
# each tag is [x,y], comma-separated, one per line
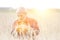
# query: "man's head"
[21,13]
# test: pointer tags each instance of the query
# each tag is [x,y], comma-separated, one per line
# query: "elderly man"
[24,25]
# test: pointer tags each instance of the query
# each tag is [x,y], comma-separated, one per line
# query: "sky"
[40,4]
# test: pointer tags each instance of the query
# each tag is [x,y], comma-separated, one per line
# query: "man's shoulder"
[15,22]
[32,19]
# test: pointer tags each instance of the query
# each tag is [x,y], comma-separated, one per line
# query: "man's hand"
[37,32]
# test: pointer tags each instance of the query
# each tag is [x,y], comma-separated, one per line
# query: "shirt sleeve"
[35,25]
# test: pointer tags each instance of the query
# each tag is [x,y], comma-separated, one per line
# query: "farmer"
[24,20]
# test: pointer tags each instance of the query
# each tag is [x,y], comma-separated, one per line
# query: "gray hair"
[20,9]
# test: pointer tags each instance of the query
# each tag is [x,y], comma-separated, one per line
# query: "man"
[23,19]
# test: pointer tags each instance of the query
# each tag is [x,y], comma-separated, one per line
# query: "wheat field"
[49,24]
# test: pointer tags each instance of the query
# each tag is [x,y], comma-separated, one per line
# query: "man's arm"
[35,27]
[13,26]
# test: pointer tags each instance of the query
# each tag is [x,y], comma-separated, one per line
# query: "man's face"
[21,14]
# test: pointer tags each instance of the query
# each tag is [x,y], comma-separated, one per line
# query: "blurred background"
[46,12]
